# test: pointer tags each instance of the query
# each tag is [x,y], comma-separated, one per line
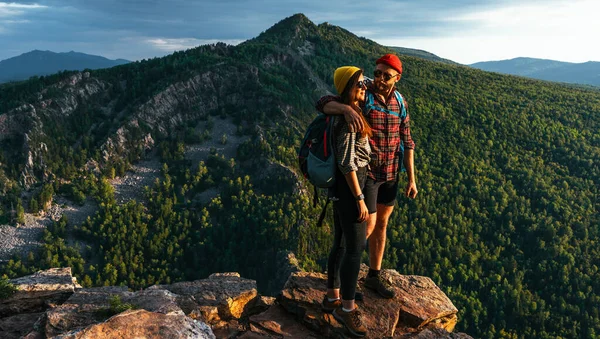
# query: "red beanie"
[391,60]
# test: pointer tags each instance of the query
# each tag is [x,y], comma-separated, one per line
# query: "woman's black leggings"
[349,238]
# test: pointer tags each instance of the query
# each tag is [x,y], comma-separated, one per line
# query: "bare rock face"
[25,121]
[18,325]
[35,292]
[286,265]
[222,306]
[276,322]
[155,300]
[424,304]
[436,333]
[144,324]
[79,316]
[84,308]
[228,292]
[418,305]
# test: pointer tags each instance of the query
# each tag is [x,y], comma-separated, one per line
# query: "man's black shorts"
[380,192]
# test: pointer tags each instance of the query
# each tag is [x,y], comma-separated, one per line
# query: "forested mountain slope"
[508,170]
[421,54]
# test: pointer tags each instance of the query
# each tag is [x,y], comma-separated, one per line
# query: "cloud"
[11,9]
[461,30]
[541,19]
[16,21]
[11,14]
[561,30]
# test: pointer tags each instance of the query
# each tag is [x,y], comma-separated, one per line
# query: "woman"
[350,211]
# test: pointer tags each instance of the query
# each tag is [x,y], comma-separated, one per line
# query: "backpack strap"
[370,105]
[322,215]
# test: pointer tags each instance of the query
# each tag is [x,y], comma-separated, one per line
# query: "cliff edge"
[50,304]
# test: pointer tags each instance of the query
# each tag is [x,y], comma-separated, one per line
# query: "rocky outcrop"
[84,308]
[223,296]
[287,263]
[419,304]
[36,291]
[34,295]
[50,304]
[144,324]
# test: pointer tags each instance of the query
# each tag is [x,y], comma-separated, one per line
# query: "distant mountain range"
[587,73]
[39,63]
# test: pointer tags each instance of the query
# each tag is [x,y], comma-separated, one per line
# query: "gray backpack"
[316,157]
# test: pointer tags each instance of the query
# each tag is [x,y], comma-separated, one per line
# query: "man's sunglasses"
[386,76]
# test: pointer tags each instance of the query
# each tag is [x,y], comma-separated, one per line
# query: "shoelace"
[355,316]
[383,281]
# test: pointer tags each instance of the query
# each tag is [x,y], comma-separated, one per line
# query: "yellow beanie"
[341,77]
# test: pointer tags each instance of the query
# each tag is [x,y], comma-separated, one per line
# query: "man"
[390,123]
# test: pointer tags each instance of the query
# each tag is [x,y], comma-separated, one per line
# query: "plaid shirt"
[351,151]
[388,132]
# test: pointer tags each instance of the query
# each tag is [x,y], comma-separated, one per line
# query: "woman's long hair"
[348,98]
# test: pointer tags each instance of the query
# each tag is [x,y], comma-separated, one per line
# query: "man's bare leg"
[377,225]
[371,221]
[378,235]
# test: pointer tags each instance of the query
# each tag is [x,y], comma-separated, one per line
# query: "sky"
[465,31]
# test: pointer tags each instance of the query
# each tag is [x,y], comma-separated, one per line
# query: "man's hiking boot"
[351,320]
[358,296]
[328,306]
[381,286]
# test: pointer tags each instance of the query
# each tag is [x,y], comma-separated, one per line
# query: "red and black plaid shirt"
[388,131]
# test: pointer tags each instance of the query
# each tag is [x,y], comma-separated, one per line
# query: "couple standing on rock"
[369,144]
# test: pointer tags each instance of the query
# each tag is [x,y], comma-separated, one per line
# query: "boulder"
[277,323]
[419,305]
[228,292]
[228,329]
[18,325]
[37,291]
[423,304]
[144,324]
[84,308]
[155,300]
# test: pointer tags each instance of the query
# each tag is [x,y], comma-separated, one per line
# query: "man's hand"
[353,119]
[411,190]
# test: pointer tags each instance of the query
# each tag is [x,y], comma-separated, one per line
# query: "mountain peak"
[288,30]
[294,20]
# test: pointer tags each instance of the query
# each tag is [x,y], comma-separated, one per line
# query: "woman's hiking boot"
[351,320]
[328,306]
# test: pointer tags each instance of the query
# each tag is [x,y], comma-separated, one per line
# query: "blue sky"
[465,31]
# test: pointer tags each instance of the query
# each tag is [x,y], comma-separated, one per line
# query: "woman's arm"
[346,159]
[352,181]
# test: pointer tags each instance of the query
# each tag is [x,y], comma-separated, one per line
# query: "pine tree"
[33,206]
[20,218]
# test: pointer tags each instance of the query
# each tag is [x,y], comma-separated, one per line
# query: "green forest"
[506,222]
